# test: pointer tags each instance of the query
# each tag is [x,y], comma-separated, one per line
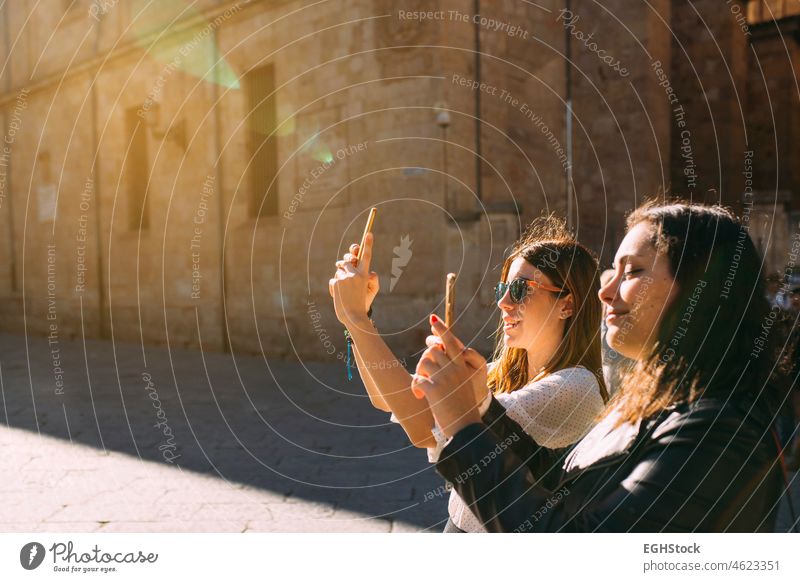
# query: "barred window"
[137,171]
[259,86]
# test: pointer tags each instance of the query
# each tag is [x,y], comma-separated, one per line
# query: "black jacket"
[708,466]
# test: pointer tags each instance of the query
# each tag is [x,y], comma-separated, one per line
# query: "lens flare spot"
[192,51]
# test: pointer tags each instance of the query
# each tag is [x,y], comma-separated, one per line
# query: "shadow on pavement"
[304,432]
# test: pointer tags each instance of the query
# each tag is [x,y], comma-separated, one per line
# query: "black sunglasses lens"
[518,289]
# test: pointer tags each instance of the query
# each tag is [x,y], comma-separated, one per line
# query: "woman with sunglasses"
[687,444]
[546,373]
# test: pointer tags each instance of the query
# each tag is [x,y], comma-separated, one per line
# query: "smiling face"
[638,295]
[538,321]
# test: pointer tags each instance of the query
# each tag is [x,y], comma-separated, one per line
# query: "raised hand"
[473,359]
[451,376]
[353,288]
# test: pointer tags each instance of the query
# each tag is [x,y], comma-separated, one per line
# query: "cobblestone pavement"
[184,441]
[177,441]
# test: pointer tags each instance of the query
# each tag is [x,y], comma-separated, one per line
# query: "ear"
[567,308]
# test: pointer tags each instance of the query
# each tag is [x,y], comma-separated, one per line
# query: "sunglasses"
[519,289]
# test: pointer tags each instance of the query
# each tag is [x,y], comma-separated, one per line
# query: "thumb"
[474,359]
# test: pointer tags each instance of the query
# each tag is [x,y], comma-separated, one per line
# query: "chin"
[619,345]
[613,340]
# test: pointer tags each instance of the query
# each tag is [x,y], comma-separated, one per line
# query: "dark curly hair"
[727,344]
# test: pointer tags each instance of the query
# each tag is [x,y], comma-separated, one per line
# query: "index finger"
[452,345]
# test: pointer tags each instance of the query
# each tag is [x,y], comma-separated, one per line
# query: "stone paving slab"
[251,453]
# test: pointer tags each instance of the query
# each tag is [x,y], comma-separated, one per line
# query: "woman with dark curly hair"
[686,444]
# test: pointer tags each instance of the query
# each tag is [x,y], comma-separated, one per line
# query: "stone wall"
[359,84]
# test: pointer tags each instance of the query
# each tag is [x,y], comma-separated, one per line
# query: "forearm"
[497,486]
[366,377]
[688,478]
[391,383]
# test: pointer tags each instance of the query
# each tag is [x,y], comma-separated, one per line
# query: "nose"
[610,290]
[505,302]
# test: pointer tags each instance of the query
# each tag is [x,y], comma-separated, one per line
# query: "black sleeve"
[695,475]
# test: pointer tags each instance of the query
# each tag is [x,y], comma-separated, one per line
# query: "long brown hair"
[551,248]
[709,341]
